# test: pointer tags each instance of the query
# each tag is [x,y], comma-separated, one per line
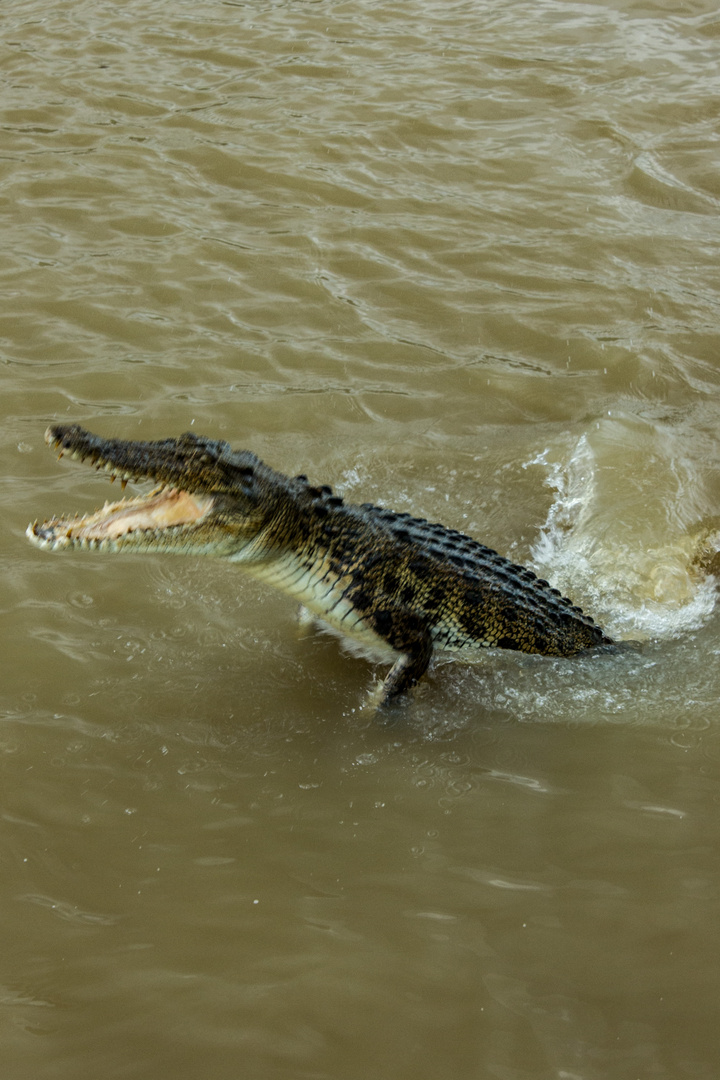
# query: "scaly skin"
[393,584]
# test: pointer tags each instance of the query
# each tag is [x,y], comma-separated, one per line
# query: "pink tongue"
[160,511]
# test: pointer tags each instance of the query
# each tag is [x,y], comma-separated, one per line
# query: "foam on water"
[621,534]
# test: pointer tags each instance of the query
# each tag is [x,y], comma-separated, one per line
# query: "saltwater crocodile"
[397,586]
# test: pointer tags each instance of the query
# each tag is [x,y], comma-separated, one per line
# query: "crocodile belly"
[325,594]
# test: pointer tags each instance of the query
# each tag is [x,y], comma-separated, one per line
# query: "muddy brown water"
[459,258]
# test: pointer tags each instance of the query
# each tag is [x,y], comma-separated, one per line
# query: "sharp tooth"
[123,483]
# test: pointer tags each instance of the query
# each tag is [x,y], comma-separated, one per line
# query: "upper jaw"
[189,462]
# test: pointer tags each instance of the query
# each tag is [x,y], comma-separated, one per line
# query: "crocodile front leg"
[410,636]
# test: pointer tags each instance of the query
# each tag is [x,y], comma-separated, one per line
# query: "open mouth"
[163,509]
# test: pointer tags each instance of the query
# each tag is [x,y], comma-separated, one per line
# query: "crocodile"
[395,586]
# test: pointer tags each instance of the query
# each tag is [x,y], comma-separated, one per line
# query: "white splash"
[617,536]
